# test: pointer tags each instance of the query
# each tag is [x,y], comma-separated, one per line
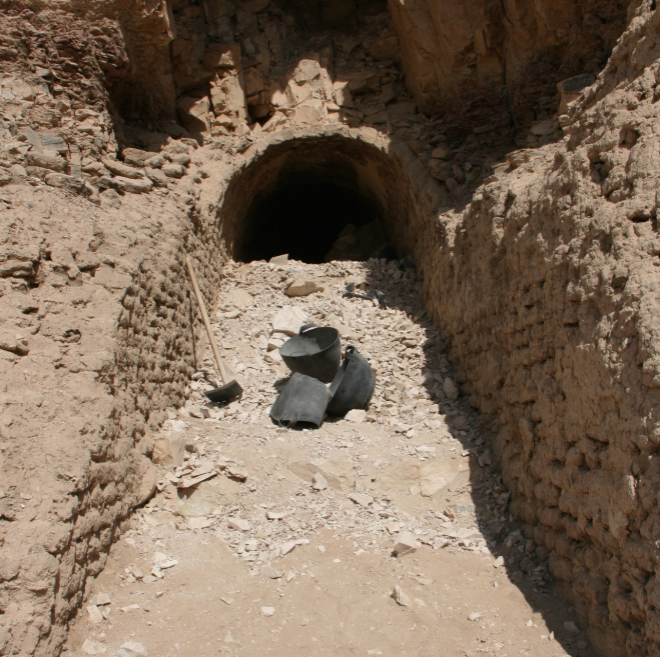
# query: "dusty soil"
[319,562]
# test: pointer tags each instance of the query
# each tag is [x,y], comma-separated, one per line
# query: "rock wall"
[546,287]
[96,51]
[486,64]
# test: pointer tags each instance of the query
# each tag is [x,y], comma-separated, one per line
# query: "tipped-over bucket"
[303,400]
[354,385]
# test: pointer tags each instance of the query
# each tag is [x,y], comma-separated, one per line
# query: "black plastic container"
[303,401]
[315,352]
[353,386]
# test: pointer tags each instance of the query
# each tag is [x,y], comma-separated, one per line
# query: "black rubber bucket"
[315,352]
[354,385]
[303,400]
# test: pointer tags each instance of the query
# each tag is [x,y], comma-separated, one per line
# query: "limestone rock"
[173,170]
[132,649]
[168,452]
[135,156]
[47,161]
[223,55]
[450,389]
[140,186]
[156,176]
[319,482]
[110,199]
[400,597]
[362,499]
[406,543]
[228,97]
[63,181]
[91,647]
[356,415]
[239,524]
[289,320]
[338,474]
[148,485]
[194,113]
[121,169]
[300,288]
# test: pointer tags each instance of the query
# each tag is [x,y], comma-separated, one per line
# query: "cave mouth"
[304,221]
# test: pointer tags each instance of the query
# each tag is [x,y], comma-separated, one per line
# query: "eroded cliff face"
[496,64]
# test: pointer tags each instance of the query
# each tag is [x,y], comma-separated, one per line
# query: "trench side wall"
[546,289]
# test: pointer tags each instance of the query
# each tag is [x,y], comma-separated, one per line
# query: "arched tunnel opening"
[318,199]
[304,220]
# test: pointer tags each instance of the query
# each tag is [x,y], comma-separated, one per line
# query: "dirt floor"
[265,540]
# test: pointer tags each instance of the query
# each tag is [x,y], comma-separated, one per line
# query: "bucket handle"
[306,327]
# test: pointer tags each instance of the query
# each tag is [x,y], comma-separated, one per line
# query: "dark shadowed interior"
[301,196]
[303,220]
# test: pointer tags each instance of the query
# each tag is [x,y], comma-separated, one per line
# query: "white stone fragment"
[356,415]
[101,599]
[289,320]
[400,597]
[270,572]
[361,498]
[288,547]
[132,649]
[94,614]
[93,647]
[239,523]
[406,543]
[199,523]
[319,482]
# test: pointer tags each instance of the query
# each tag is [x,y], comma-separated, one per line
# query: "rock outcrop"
[495,65]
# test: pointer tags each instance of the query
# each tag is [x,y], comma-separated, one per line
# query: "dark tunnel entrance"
[304,220]
[318,199]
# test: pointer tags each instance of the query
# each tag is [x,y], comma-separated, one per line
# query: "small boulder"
[47,161]
[400,597]
[300,288]
[110,199]
[132,649]
[173,170]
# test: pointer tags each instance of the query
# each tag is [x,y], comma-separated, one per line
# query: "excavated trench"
[296,197]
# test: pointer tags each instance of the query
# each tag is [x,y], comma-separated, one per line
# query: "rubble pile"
[416,433]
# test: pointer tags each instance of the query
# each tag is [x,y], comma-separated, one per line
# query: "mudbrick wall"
[74,420]
[546,287]
[542,277]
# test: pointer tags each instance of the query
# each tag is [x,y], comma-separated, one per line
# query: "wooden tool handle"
[202,306]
